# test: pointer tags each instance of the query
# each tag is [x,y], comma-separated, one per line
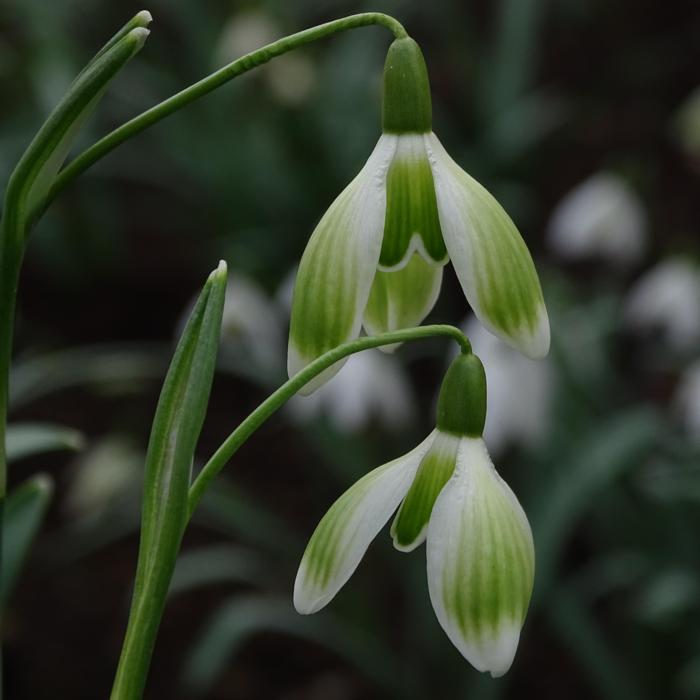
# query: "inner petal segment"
[412,222]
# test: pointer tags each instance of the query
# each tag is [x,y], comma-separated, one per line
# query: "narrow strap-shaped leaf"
[24,511]
[179,417]
[176,427]
[44,156]
[28,439]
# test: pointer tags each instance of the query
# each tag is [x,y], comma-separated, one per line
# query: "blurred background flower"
[601,218]
[594,155]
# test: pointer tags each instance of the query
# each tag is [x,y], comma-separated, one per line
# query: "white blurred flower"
[667,298]
[243,33]
[519,391]
[602,217]
[290,78]
[102,475]
[252,331]
[687,400]
[370,387]
[688,124]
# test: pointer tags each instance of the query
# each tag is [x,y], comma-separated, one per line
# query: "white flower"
[290,77]
[601,217]
[252,339]
[479,548]
[687,400]
[667,298]
[369,388]
[519,391]
[376,257]
[102,475]
[688,124]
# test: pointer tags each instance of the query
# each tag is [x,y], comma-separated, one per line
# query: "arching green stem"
[213,81]
[291,387]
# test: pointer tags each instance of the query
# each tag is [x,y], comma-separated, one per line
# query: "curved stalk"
[146,613]
[218,78]
[276,400]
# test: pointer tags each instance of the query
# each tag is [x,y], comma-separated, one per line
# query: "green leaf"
[27,439]
[176,427]
[579,633]
[593,463]
[24,511]
[32,178]
[233,624]
[217,564]
[110,367]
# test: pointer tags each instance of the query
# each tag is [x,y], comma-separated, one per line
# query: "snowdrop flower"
[376,257]
[102,476]
[480,553]
[291,78]
[687,400]
[252,334]
[688,124]
[251,328]
[514,417]
[600,217]
[369,388]
[667,298]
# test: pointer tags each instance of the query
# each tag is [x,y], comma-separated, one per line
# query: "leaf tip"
[143,18]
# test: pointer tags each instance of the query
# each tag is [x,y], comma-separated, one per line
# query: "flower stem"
[276,400]
[213,81]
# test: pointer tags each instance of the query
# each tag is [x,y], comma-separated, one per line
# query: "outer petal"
[402,299]
[481,561]
[490,258]
[353,521]
[338,266]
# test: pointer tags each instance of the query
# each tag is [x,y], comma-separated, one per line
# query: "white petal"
[602,217]
[519,417]
[490,257]
[402,299]
[353,521]
[480,561]
[338,266]
[666,298]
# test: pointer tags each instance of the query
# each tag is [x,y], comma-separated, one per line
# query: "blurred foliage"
[532,98]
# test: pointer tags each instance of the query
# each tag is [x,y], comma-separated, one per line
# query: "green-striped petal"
[338,266]
[353,521]
[411,522]
[481,561]
[412,222]
[402,299]
[490,257]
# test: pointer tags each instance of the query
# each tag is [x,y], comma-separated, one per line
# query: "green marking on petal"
[490,257]
[339,263]
[325,546]
[412,221]
[480,561]
[402,299]
[409,526]
[353,521]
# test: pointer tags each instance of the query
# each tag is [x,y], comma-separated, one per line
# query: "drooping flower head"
[376,257]
[479,548]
